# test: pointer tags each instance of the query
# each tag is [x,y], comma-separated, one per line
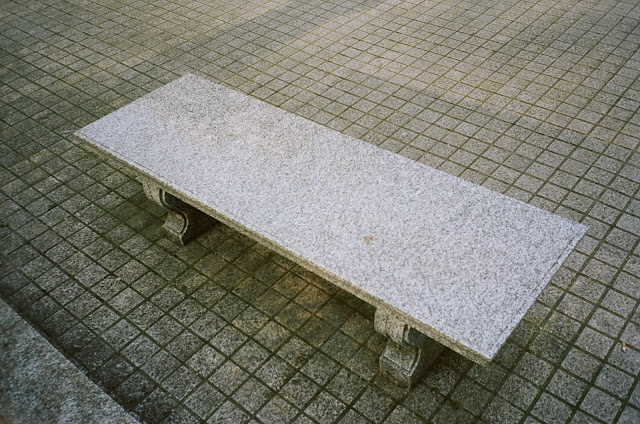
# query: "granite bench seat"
[443,261]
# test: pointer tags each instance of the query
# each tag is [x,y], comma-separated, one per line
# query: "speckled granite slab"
[458,262]
[39,385]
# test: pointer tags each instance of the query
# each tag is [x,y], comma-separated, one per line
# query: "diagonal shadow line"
[278,26]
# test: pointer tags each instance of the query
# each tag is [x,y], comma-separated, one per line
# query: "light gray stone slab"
[39,385]
[459,263]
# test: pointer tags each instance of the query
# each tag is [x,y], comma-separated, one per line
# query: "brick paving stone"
[600,405]
[204,400]
[538,100]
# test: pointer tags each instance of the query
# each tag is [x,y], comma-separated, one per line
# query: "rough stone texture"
[408,352]
[534,99]
[184,222]
[458,262]
[39,385]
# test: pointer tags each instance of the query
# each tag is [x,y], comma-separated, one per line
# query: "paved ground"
[535,99]
[39,385]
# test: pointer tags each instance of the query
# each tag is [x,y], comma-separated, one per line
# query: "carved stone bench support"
[408,352]
[184,222]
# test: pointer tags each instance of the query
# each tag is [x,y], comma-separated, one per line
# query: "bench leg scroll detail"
[408,352]
[184,222]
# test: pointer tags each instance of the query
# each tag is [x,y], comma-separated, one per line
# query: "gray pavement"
[39,385]
[535,99]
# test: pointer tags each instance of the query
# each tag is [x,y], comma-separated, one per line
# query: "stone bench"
[443,261]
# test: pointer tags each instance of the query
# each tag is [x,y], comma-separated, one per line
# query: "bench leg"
[184,222]
[408,352]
